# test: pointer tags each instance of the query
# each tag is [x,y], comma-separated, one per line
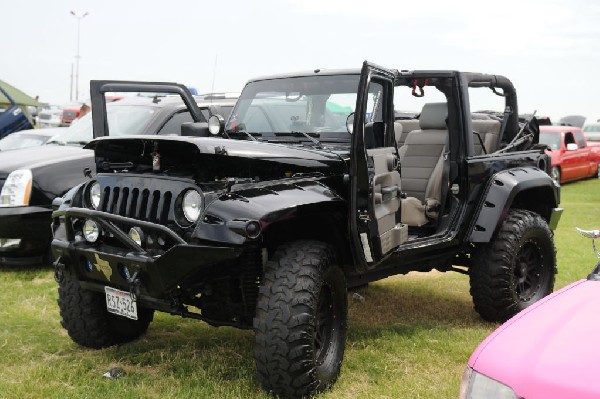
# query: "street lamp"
[77,57]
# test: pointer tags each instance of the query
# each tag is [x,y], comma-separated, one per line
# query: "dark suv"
[304,192]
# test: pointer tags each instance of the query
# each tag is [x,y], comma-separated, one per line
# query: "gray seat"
[489,131]
[403,127]
[422,162]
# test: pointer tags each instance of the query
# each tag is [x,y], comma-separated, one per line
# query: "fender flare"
[226,219]
[499,197]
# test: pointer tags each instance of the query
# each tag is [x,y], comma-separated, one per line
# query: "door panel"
[375,180]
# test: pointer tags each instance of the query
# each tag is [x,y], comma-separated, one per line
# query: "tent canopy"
[17,95]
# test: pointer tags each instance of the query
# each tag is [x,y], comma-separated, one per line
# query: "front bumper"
[25,234]
[151,273]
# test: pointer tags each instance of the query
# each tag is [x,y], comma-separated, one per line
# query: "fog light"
[252,229]
[136,234]
[91,230]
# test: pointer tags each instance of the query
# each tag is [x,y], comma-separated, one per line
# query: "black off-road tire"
[515,269]
[300,323]
[84,316]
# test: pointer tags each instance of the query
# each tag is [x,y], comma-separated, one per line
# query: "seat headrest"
[433,116]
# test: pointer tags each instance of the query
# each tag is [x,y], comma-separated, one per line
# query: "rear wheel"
[598,171]
[515,269]
[300,321]
[84,316]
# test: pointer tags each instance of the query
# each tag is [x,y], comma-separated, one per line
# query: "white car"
[591,131]
[50,117]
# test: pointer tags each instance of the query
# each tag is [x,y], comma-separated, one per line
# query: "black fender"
[228,219]
[526,188]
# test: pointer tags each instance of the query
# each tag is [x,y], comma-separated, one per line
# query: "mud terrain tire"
[300,323]
[515,269]
[84,316]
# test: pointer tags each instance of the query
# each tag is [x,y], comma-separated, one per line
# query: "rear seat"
[421,159]
[403,127]
[489,131]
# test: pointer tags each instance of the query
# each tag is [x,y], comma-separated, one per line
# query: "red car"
[572,157]
[72,111]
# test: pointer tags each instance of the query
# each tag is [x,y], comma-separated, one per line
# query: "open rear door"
[375,177]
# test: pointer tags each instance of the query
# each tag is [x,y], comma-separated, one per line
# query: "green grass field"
[410,338]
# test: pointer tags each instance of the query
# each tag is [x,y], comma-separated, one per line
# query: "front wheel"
[84,316]
[300,323]
[515,269]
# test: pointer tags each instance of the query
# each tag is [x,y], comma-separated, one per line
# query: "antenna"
[212,88]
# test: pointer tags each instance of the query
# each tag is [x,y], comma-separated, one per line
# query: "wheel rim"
[529,271]
[325,320]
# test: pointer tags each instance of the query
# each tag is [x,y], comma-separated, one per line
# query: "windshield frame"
[287,113]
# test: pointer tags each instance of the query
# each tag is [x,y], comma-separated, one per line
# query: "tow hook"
[134,286]
[59,270]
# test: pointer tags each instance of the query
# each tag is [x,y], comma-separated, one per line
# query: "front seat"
[422,162]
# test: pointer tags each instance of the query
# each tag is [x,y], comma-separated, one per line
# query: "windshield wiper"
[243,131]
[80,142]
[299,133]
[56,142]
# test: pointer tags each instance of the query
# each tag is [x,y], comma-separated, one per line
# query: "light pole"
[77,57]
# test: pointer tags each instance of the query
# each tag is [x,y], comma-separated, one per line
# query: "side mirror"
[199,129]
[216,125]
[350,123]
[572,147]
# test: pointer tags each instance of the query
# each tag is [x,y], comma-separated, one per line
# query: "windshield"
[317,105]
[591,128]
[15,141]
[122,120]
[552,140]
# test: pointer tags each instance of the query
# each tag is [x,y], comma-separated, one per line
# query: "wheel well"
[539,200]
[328,227]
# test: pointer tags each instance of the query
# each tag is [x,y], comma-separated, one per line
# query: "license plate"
[120,303]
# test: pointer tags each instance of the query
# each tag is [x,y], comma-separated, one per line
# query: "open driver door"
[375,170]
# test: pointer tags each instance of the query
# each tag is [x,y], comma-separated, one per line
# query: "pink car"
[548,351]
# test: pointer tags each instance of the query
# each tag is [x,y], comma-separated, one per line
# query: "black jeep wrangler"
[310,187]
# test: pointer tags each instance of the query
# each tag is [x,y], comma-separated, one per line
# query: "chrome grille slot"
[151,206]
[153,200]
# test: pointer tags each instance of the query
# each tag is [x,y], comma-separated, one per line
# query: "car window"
[552,140]
[591,128]
[15,141]
[123,120]
[569,139]
[173,125]
[580,139]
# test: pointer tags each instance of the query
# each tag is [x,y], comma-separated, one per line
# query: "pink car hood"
[550,350]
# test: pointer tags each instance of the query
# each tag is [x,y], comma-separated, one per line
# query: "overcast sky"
[549,49]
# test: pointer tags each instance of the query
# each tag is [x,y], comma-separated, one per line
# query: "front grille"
[141,204]
[44,116]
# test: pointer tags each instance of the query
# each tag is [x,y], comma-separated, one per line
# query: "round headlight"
[91,230]
[192,203]
[95,195]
